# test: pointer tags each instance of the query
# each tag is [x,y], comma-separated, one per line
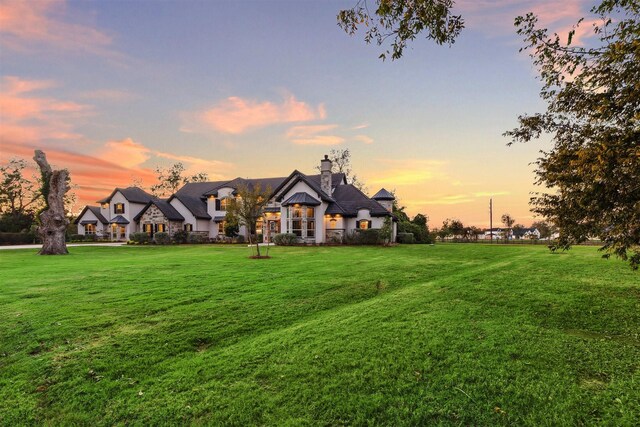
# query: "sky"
[113,89]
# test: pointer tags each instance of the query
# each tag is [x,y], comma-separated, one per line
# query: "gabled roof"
[195,205]
[94,210]
[295,177]
[301,198]
[349,200]
[167,210]
[119,219]
[383,195]
[264,183]
[132,194]
[523,231]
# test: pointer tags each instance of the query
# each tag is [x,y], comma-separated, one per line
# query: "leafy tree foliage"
[341,163]
[545,228]
[248,208]
[508,222]
[20,197]
[171,179]
[402,21]
[593,117]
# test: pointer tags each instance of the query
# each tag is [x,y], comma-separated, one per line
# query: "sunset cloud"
[29,25]
[27,118]
[497,16]
[236,115]
[314,135]
[408,172]
[364,139]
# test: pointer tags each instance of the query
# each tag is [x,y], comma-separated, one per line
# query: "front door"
[273,228]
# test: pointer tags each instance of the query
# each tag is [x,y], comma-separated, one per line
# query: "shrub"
[239,238]
[162,238]
[181,236]
[285,239]
[362,237]
[195,238]
[77,238]
[16,238]
[368,237]
[406,238]
[140,237]
[90,237]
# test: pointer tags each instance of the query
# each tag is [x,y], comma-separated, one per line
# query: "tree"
[386,231]
[508,222]
[20,197]
[248,208]
[402,21]
[55,185]
[341,163]
[546,229]
[593,117]
[171,179]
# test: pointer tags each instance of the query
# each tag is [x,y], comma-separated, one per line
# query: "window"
[332,223]
[363,224]
[259,225]
[118,208]
[302,221]
[223,204]
[90,229]
[188,227]
[147,228]
[161,228]
[221,227]
[296,227]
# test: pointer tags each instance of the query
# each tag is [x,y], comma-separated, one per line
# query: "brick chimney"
[325,175]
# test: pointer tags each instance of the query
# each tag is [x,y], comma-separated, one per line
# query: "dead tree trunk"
[52,230]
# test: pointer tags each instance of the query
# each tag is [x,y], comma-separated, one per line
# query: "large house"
[316,208]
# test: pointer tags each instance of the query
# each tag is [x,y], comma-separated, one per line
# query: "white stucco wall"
[186,214]
[89,216]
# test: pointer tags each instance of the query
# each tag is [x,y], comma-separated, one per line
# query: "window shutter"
[217,204]
[155,228]
[115,208]
[358,224]
[368,224]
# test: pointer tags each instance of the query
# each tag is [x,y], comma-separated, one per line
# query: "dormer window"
[118,208]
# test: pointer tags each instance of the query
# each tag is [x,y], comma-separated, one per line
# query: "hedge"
[16,238]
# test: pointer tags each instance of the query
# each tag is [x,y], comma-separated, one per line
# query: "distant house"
[316,208]
[525,233]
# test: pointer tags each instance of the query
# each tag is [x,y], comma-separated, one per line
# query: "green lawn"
[411,335]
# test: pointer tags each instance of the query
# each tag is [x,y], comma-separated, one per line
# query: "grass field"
[410,335]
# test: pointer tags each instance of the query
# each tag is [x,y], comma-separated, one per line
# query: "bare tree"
[55,185]
[248,208]
[171,179]
[508,221]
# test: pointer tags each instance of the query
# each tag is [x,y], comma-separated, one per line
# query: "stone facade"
[153,215]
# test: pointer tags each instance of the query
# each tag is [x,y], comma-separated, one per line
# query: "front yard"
[410,335]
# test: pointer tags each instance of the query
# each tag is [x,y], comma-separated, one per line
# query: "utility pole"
[491,219]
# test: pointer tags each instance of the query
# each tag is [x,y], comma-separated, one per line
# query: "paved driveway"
[70,245]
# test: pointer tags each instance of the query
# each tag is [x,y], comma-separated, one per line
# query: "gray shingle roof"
[383,195]
[119,219]
[193,196]
[132,194]
[167,210]
[349,200]
[264,183]
[96,211]
[301,198]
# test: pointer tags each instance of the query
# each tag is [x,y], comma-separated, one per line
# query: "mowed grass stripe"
[446,334]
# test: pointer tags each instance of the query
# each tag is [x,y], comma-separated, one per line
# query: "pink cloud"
[236,115]
[364,139]
[497,16]
[126,152]
[25,25]
[313,135]
[29,118]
